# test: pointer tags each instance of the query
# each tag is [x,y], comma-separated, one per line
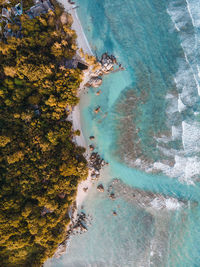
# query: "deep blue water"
[149,132]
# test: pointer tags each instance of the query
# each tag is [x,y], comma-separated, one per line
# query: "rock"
[100,188]
[93,175]
[92,137]
[61,195]
[97,110]
[98,92]
[112,196]
[91,147]
[79,225]
[60,250]
[95,164]
[85,189]
[107,62]
[95,82]
[103,162]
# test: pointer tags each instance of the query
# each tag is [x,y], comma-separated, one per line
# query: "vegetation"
[40,166]
[26,3]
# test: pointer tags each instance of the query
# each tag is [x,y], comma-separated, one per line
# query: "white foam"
[173,107]
[168,203]
[181,16]
[189,11]
[172,204]
[175,24]
[186,84]
[198,69]
[197,83]
[181,106]
[191,137]
[184,168]
[176,132]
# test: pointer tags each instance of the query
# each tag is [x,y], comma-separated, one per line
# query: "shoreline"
[74,116]
[91,78]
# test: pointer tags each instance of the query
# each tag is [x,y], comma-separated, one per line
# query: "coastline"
[74,116]
[91,77]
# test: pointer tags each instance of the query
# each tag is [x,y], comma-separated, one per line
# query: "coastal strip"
[91,78]
[83,44]
[81,40]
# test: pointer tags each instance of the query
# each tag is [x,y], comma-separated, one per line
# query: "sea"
[148,130]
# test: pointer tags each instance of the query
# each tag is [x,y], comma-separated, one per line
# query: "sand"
[82,42]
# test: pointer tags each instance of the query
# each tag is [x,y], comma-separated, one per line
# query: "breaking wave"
[174,148]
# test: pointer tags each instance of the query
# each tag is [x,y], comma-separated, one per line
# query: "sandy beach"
[82,42]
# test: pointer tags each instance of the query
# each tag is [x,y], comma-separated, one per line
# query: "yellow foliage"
[68,170]
[4,140]
[91,60]
[74,46]
[15,157]
[43,21]
[69,31]
[51,101]
[10,71]
[81,53]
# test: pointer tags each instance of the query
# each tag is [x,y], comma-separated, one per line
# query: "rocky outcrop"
[79,225]
[94,82]
[95,165]
[106,65]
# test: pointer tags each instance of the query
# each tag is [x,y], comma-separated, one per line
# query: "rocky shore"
[92,77]
[106,65]
[79,221]
[79,225]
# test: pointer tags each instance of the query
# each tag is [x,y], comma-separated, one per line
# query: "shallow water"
[149,131]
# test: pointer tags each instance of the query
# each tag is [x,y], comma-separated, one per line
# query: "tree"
[40,165]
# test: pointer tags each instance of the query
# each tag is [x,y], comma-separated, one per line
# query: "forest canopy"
[40,165]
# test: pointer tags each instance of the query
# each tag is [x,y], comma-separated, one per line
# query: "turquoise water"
[149,132]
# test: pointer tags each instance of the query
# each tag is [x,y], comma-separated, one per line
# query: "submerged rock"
[100,188]
[97,109]
[145,199]
[112,196]
[98,92]
[94,82]
[91,147]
